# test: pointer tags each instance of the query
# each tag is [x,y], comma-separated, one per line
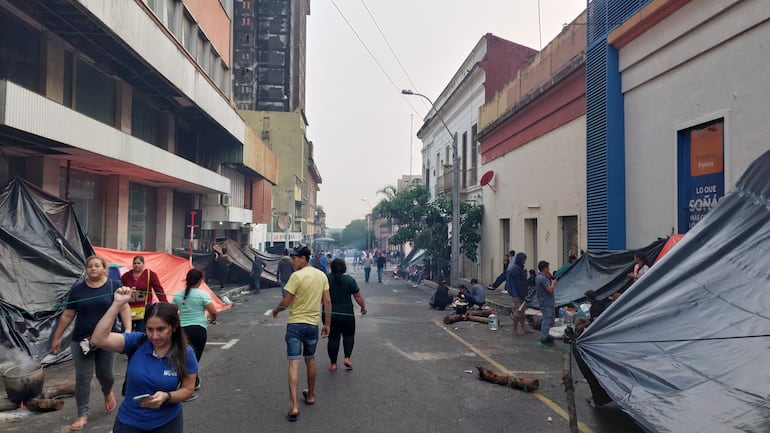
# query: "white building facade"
[696,92]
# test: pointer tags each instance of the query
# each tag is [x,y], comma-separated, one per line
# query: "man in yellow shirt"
[306,290]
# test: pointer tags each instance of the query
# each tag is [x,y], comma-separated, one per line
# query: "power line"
[373,56]
[414,86]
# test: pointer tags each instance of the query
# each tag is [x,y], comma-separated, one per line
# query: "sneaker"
[490,288]
[548,343]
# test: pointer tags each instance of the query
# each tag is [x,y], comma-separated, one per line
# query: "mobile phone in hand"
[141,398]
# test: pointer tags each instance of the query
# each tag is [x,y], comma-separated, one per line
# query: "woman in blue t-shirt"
[193,305]
[161,371]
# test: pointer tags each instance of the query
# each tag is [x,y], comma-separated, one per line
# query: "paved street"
[409,376]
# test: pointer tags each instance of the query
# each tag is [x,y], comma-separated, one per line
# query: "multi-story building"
[532,136]
[407,181]
[269,90]
[123,108]
[491,63]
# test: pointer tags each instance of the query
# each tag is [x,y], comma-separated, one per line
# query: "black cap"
[300,251]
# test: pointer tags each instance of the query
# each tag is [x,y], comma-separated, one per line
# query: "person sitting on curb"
[475,295]
[440,297]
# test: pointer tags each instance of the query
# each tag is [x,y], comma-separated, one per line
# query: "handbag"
[137,313]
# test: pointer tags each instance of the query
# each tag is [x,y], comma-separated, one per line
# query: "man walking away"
[306,290]
[380,266]
[284,271]
[256,274]
[545,284]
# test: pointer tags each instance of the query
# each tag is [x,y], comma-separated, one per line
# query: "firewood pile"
[511,381]
[480,316]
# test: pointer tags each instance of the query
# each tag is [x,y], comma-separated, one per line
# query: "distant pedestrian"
[381,260]
[641,266]
[367,263]
[144,282]
[284,271]
[343,321]
[193,304]
[257,266]
[508,275]
[521,289]
[501,278]
[222,264]
[307,289]
[545,285]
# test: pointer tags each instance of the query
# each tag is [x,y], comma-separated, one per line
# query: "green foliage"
[354,235]
[426,223]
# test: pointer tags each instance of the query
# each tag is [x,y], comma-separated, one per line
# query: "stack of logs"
[480,316]
[44,402]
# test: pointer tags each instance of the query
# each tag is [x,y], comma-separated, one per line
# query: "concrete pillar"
[43,172]
[164,220]
[54,67]
[167,132]
[116,212]
[123,105]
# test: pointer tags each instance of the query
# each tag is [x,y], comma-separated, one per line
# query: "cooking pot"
[23,382]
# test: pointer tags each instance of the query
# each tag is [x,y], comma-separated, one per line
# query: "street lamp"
[368,237]
[454,263]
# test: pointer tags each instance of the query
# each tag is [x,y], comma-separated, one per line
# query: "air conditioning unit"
[227,200]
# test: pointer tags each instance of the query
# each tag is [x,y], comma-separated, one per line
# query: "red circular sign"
[486,178]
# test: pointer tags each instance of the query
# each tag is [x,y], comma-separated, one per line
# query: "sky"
[362,128]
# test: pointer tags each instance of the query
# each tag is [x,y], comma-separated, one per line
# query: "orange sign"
[706,154]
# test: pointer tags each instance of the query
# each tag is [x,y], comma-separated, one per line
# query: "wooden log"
[44,404]
[569,389]
[522,383]
[479,313]
[478,319]
[6,404]
[452,318]
[58,389]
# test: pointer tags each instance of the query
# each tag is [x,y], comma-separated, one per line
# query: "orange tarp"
[171,270]
[672,240]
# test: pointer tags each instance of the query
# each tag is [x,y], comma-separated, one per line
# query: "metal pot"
[23,382]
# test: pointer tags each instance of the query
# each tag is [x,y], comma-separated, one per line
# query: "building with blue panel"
[605,159]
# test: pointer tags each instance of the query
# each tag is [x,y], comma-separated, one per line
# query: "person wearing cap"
[306,290]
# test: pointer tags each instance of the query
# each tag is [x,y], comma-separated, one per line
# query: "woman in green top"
[193,305]
[341,288]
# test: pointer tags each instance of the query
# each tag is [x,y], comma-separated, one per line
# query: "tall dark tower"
[269,54]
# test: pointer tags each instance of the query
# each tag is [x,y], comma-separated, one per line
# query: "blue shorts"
[301,340]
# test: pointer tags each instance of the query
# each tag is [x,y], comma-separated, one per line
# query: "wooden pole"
[569,389]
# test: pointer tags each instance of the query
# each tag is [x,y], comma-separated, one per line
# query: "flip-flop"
[292,417]
[110,403]
[78,425]
[333,367]
[304,394]
[348,365]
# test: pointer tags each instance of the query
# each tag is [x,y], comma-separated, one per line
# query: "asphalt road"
[409,376]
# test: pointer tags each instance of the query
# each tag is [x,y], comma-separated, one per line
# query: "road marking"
[225,346]
[548,402]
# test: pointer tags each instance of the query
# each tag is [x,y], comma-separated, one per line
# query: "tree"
[426,222]
[354,235]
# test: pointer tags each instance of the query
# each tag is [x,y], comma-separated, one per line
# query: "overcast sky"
[360,123]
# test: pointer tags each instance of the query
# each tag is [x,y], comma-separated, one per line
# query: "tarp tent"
[604,272]
[685,349]
[171,270]
[670,243]
[42,253]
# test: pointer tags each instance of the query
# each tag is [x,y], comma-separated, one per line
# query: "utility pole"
[288,217]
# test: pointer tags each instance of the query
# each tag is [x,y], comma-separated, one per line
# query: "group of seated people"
[471,297]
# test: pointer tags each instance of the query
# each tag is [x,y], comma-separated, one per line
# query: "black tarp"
[42,251]
[687,348]
[604,272]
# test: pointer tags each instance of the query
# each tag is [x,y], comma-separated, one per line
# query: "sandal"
[348,365]
[79,424]
[333,367]
[292,417]
[305,394]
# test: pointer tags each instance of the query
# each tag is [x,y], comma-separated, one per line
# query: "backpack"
[130,353]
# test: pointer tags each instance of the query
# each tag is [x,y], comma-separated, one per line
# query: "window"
[141,217]
[172,18]
[145,120]
[474,177]
[188,33]
[19,53]
[94,93]
[87,196]
[67,82]
[464,162]
[157,7]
